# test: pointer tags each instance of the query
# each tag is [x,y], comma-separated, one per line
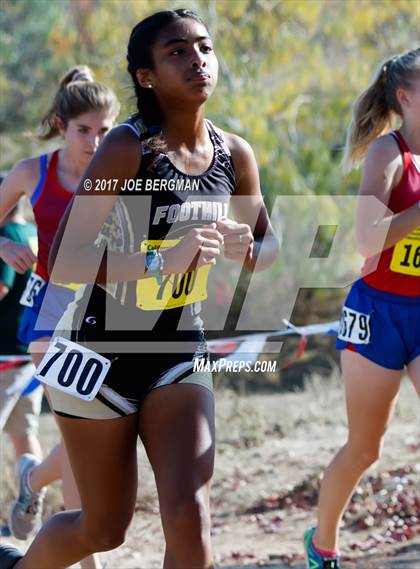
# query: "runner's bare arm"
[74,257]
[381,173]
[21,180]
[249,208]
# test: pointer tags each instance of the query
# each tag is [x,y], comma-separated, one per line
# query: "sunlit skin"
[371,389]
[82,136]
[409,100]
[182,75]
[185,65]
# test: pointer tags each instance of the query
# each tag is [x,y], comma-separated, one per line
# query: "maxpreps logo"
[236,365]
[191,210]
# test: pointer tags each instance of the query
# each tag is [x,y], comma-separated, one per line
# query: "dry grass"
[266,444]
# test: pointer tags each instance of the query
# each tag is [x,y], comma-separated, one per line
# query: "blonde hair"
[77,93]
[376,109]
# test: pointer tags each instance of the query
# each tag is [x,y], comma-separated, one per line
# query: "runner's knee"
[104,534]
[190,517]
[104,537]
[365,453]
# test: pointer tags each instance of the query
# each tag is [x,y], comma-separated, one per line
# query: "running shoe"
[9,556]
[26,511]
[315,560]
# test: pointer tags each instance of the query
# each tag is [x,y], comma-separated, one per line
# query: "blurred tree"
[289,72]
[289,69]
[37,43]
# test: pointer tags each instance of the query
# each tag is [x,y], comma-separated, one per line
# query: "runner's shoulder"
[25,174]
[121,137]
[237,145]
[241,151]
[118,155]
[384,151]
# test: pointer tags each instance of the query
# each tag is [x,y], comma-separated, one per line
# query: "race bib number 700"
[73,368]
[354,326]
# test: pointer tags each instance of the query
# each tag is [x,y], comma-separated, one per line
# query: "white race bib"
[33,287]
[354,326]
[72,368]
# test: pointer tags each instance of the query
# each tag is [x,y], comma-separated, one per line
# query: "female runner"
[150,285]
[82,112]
[380,322]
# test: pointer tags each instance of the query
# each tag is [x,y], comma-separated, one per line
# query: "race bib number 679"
[72,368]
[354,326]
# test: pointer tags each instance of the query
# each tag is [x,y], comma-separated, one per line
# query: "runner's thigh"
[103,458]
[176,425]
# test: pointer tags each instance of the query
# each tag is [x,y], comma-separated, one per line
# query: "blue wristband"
[154,264]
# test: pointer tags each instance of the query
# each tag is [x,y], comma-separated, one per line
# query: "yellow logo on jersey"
[176,290]
[406,255]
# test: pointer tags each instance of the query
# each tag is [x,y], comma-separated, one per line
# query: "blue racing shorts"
[41,319]
[382,327]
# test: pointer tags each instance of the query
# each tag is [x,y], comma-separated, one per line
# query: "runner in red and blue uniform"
[82,112]
[380,323]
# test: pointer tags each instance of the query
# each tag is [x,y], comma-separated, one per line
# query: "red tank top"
[398,270]
[49,202]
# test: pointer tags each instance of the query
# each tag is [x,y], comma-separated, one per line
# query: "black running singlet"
[155,210]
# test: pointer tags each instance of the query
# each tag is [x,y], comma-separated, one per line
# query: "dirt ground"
[270,452]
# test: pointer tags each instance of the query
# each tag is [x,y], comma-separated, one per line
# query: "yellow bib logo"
[406,255]
[176,290]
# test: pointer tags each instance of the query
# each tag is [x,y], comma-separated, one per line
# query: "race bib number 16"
[406,255]
[354,326]
[73,368]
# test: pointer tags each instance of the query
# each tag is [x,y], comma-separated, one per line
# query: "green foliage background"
[289,72]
